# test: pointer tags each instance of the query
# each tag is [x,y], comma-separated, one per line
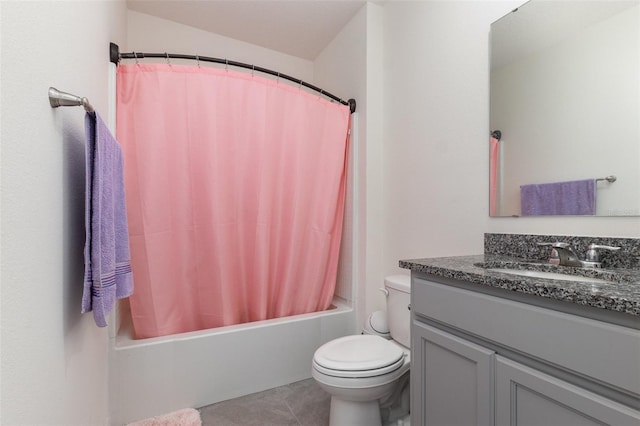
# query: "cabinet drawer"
[525,396]
[606,352]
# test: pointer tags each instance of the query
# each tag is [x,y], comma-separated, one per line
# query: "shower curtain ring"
[278,79]
[135,55]
[167,55]
[226,65]
[198,60]
[253,69]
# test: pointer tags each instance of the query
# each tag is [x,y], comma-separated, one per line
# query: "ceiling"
[302,28]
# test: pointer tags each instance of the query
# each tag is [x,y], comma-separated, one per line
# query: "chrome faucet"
[565,255]
[562,254]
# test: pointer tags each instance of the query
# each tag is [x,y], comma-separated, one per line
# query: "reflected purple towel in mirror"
[559,198]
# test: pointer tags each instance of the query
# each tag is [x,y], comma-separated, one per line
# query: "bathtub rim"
[124,339]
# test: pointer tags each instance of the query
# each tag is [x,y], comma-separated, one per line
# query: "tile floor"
[297,404]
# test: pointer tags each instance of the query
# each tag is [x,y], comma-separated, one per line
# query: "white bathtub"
[155,376]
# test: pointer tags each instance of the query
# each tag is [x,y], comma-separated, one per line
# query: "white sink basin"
[549,275]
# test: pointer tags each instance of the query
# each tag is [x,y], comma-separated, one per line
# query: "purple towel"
[560,198]
[107,275]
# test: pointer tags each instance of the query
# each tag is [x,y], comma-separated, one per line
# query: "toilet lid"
[359,353]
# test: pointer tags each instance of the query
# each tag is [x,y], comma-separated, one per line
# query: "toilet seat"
[358,356]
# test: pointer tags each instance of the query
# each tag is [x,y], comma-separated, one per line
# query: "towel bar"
[609,179]
[58,98]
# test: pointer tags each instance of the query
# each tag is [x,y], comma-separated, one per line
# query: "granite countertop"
[620,295]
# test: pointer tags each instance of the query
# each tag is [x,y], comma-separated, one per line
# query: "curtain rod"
[116,56]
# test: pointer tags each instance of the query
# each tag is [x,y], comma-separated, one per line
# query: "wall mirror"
[565,100]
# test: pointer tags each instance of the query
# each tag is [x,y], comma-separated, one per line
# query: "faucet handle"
[592,252]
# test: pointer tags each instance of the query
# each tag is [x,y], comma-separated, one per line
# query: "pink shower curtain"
[493,178]
[235,190]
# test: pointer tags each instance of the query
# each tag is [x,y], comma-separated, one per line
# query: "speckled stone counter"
[621,294]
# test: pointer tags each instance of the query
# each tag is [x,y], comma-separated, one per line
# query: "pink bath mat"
[184,417]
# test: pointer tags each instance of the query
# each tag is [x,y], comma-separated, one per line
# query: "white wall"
[349,67]
[148,33]
[54,361]
[436,109]
[375,171]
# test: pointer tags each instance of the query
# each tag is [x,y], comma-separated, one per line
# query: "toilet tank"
[398,312]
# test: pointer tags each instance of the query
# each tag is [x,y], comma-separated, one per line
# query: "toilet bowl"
[367,373]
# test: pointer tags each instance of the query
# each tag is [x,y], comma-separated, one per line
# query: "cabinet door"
[525,396]
[451,379]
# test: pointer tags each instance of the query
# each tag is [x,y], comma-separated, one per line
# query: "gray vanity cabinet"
[478,359]
[462,399]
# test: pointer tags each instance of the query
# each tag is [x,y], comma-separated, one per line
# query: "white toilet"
[367,376]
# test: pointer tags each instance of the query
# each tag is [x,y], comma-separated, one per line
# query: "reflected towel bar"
[609,179]
[58,98]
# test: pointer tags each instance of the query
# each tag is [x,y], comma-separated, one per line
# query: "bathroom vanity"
[495,347]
